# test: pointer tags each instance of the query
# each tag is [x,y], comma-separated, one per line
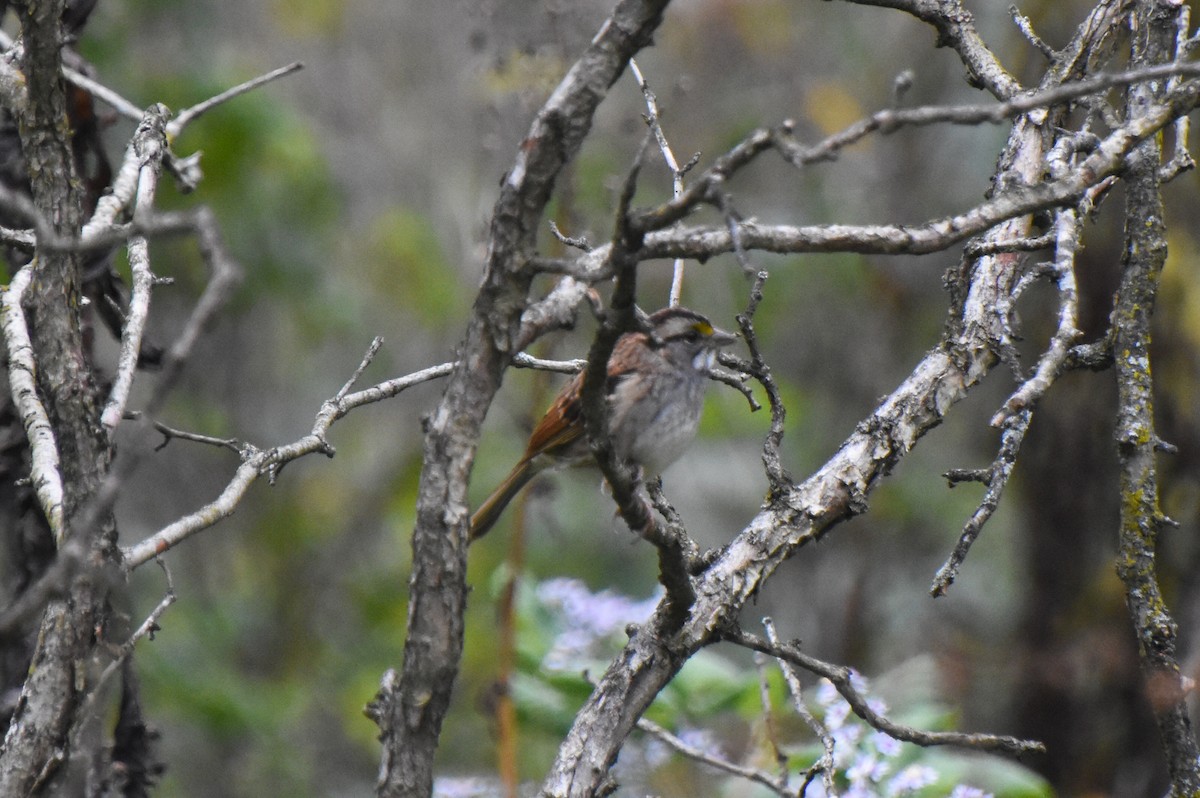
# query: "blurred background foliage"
[356,194]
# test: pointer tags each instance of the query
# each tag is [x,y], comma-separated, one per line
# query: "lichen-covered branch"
[1137,443]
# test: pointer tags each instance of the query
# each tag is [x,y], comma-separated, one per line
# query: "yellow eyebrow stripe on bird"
[703,327]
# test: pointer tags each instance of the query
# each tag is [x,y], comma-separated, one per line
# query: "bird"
[655,392]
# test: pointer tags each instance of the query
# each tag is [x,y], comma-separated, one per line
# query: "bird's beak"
[722,338]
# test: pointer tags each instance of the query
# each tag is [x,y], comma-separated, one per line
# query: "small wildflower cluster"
[588,620]
[580,628]
[869,762]
[465,787]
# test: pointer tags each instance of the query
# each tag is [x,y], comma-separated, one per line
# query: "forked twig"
[841,678]
[996,479]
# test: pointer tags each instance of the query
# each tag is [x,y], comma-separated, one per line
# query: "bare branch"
[526,361]
[652,120]
[779,787]
[737,380]
[186,116]
[149,146]
[578,243]
[824,765]
[257,462]
[996,479]
[1053,360]
[935,235]
[841,678]
[777,475]
[956,28]
[147,629]
[1025,25]
[372,351]
[1181,157]
[169,433]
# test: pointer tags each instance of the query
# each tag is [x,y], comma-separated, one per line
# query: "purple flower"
[911,779]
[963,791]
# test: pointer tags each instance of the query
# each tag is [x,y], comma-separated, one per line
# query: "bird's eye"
[691,336]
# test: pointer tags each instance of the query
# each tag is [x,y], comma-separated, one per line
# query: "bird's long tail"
[489,512]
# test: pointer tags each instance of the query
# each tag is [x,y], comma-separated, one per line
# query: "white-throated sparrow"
[655,388]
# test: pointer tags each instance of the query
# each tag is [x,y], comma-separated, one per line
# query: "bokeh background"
[356,194]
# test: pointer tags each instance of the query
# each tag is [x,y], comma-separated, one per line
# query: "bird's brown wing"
[561,425]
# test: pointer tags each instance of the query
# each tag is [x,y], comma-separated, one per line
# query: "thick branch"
[410,707]
[33,752]
[22,379]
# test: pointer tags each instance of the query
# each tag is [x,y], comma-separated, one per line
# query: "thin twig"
[824,765]
[653,121]
[527,361]
[1015,428]
[1024,25]
[769,731]
[1181,158]
[169,433]
[776,474]
[578,243]
[978,249]
[372,351]
[735,379]
[146,630]
[699,755]
[188,114]
[888,120]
